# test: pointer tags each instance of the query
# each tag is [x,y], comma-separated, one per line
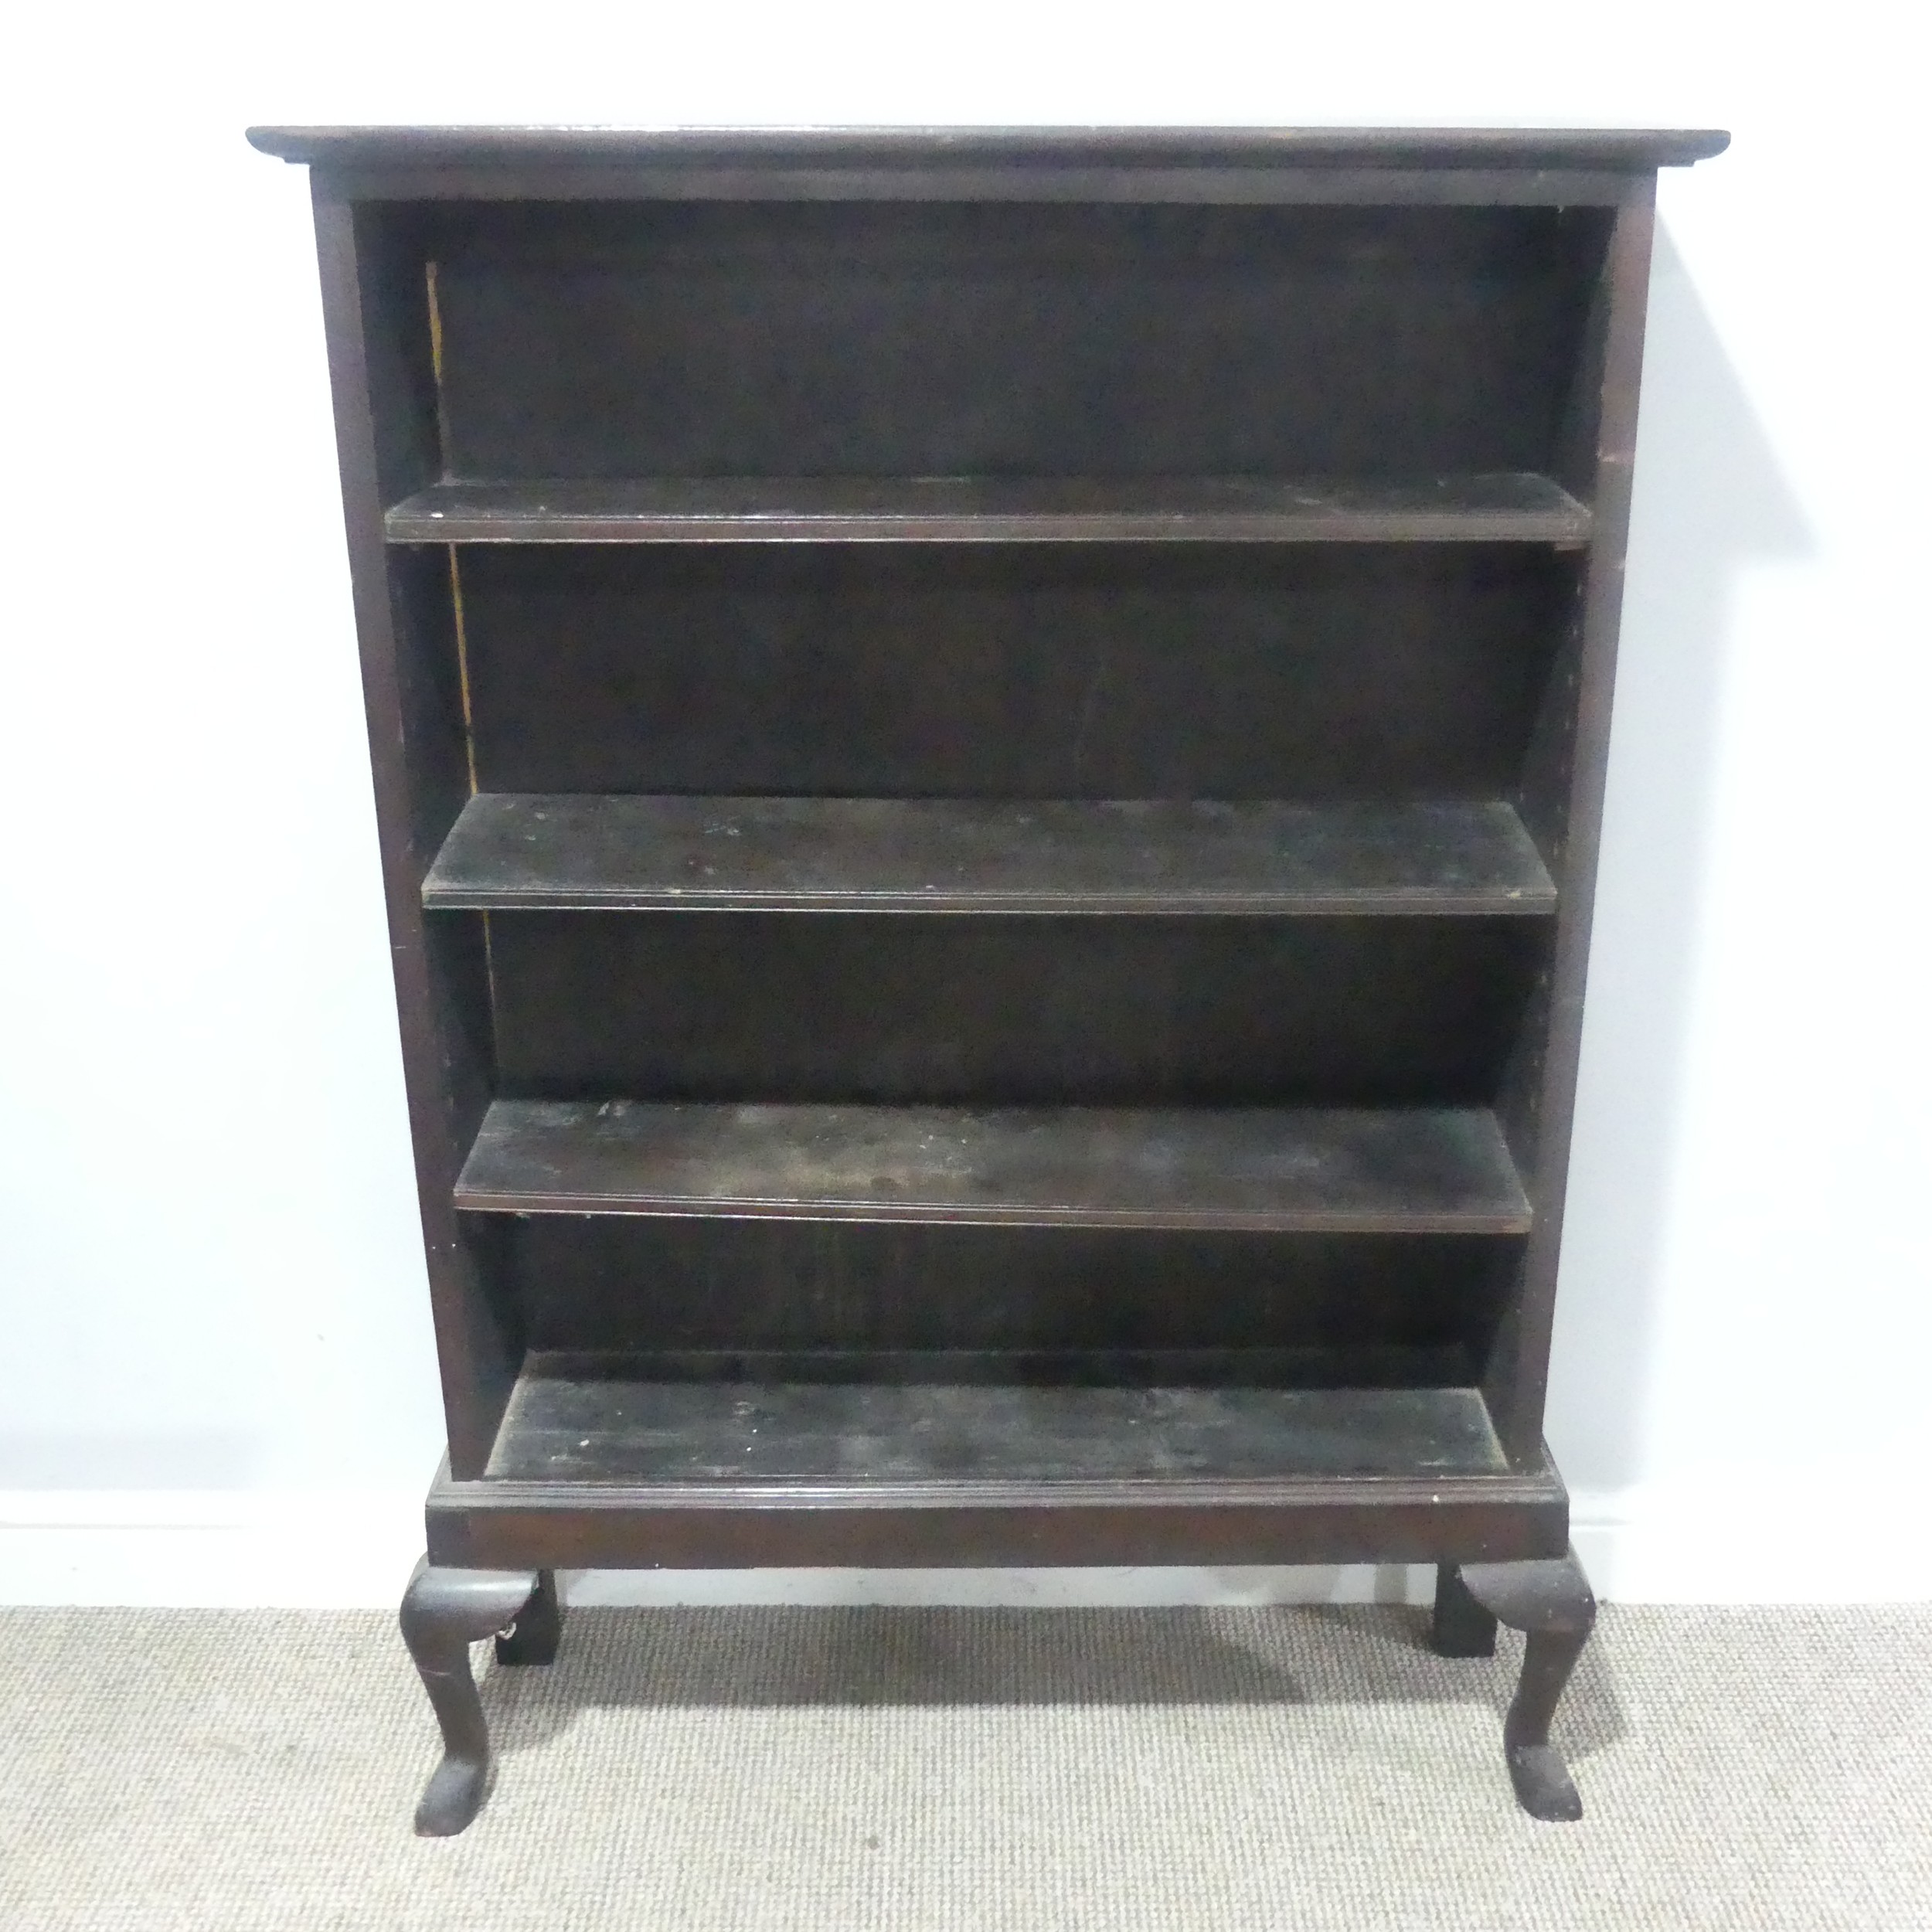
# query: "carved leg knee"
[445,1611]
[1550,1601]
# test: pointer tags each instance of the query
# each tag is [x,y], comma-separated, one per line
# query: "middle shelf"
[1337,1170]
[1490,507]
[602,851]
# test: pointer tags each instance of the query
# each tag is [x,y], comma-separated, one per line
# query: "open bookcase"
[988,748]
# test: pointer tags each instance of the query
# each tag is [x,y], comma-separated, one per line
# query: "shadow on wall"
[1711,503]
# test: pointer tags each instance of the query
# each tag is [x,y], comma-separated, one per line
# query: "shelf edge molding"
[1501,507]
[1361,1170]
[600,851]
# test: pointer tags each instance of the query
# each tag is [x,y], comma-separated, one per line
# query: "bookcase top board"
[1502,164]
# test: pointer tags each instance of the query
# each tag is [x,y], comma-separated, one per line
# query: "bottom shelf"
[574,1419]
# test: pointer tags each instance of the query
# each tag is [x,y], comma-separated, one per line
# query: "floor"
[1290,1769]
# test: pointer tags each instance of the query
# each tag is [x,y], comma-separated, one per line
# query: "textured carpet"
[1290,1769]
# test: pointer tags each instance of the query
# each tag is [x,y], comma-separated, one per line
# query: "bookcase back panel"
[732,1006]
[871,338]
[1401,1305]
[1033,671]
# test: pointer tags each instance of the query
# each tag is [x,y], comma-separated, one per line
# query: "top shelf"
[587,852]
[1512,507]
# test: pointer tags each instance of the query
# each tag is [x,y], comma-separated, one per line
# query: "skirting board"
[332,1549]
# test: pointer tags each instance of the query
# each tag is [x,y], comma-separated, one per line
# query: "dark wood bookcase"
[988,746]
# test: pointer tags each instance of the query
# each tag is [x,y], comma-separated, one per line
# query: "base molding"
[305,1550]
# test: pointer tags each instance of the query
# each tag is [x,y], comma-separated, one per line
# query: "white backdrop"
[216,1382]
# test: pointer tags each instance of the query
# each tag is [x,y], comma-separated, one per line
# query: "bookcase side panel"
[376,331]
[1561,802]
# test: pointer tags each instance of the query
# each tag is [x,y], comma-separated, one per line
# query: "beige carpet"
[836,1770]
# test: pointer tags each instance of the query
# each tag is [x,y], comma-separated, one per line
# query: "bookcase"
[988,747]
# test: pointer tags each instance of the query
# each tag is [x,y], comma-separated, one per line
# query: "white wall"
[213,1311]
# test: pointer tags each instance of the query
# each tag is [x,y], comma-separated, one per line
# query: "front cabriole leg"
[445,1611]
[1550,1602]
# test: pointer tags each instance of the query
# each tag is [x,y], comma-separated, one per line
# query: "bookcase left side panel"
[378,318]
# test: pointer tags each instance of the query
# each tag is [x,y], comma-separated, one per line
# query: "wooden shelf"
[1509,507]
[570,1420]
[1396,1170]
[589,852]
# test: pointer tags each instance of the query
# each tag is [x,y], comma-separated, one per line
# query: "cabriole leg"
[538,1629]
[1550,1602]
[445,1611]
